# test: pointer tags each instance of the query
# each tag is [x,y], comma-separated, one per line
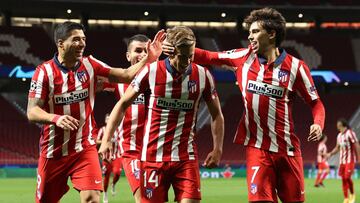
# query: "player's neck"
[69,64]
[271,54]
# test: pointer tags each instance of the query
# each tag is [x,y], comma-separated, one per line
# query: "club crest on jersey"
[192,86]
[253,188]
[82,76]
[283,76]
[149,192]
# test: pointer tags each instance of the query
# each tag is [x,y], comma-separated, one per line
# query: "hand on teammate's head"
[168,48]
[154,49]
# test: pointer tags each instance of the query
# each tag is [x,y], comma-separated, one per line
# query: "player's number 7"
[256,169]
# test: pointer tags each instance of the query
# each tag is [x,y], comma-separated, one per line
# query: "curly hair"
[270,19]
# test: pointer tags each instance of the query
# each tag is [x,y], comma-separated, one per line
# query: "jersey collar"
[173,71]
[277,61]
[63,68]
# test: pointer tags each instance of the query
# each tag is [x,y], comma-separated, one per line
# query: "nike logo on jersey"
[97,181]
[265,89]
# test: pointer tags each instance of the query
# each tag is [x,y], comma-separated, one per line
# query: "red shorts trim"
[131,168]
[82,167]
[270,175]
[346,170]
[156,178]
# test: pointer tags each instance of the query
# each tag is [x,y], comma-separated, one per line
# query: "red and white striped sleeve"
[304,84]
[219,58]
[352,136]
[210,89]
[100,68]
[141,81]
[39,85]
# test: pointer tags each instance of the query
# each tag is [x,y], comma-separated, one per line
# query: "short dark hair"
[343,122]
[62,31]
[138,37]
[270,19]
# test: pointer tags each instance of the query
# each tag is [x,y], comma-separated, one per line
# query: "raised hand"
[154,49]
[168,49]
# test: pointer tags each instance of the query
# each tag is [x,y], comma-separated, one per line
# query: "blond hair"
[180,36]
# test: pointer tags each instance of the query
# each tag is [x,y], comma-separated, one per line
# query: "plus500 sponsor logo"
[174,104]
[265,89]
[71,97]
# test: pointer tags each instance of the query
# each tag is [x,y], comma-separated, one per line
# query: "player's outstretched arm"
[217,128]
[333,151]
[154,50]
[36,114]
[116,116]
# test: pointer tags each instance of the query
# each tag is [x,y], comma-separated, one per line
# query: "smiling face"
[136,51]
[72,48]
[260,39]
[183,57]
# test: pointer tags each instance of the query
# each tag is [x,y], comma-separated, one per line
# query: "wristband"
[55,119]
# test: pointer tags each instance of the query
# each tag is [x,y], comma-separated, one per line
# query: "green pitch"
[15,190]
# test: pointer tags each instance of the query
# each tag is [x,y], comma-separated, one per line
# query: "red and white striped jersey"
[346,142]
[115,142]
[131,129]
[172,100]
[322,150]
[67,93]
[268,91]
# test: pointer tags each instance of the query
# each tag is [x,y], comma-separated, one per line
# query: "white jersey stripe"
[90,71]
[255,106]
[66,110]
[41,81]
[274,146]
[50,74]
[164,119]
[293,72]
[152,77]
[245,70]
[307,84]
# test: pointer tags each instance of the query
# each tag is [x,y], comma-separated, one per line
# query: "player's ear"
[272,34]
[60,43]
[128,56]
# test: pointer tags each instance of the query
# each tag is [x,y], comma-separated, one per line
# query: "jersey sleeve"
[100,68]
[226,58]
[39,86]
[141,81]
[210,89]
[352,137]
[304,84]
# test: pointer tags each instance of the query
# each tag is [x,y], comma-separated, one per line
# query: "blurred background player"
[131,127]
[61,97]
[173,88]
[113,166]
[349,148]
[269,78]
[323,165]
